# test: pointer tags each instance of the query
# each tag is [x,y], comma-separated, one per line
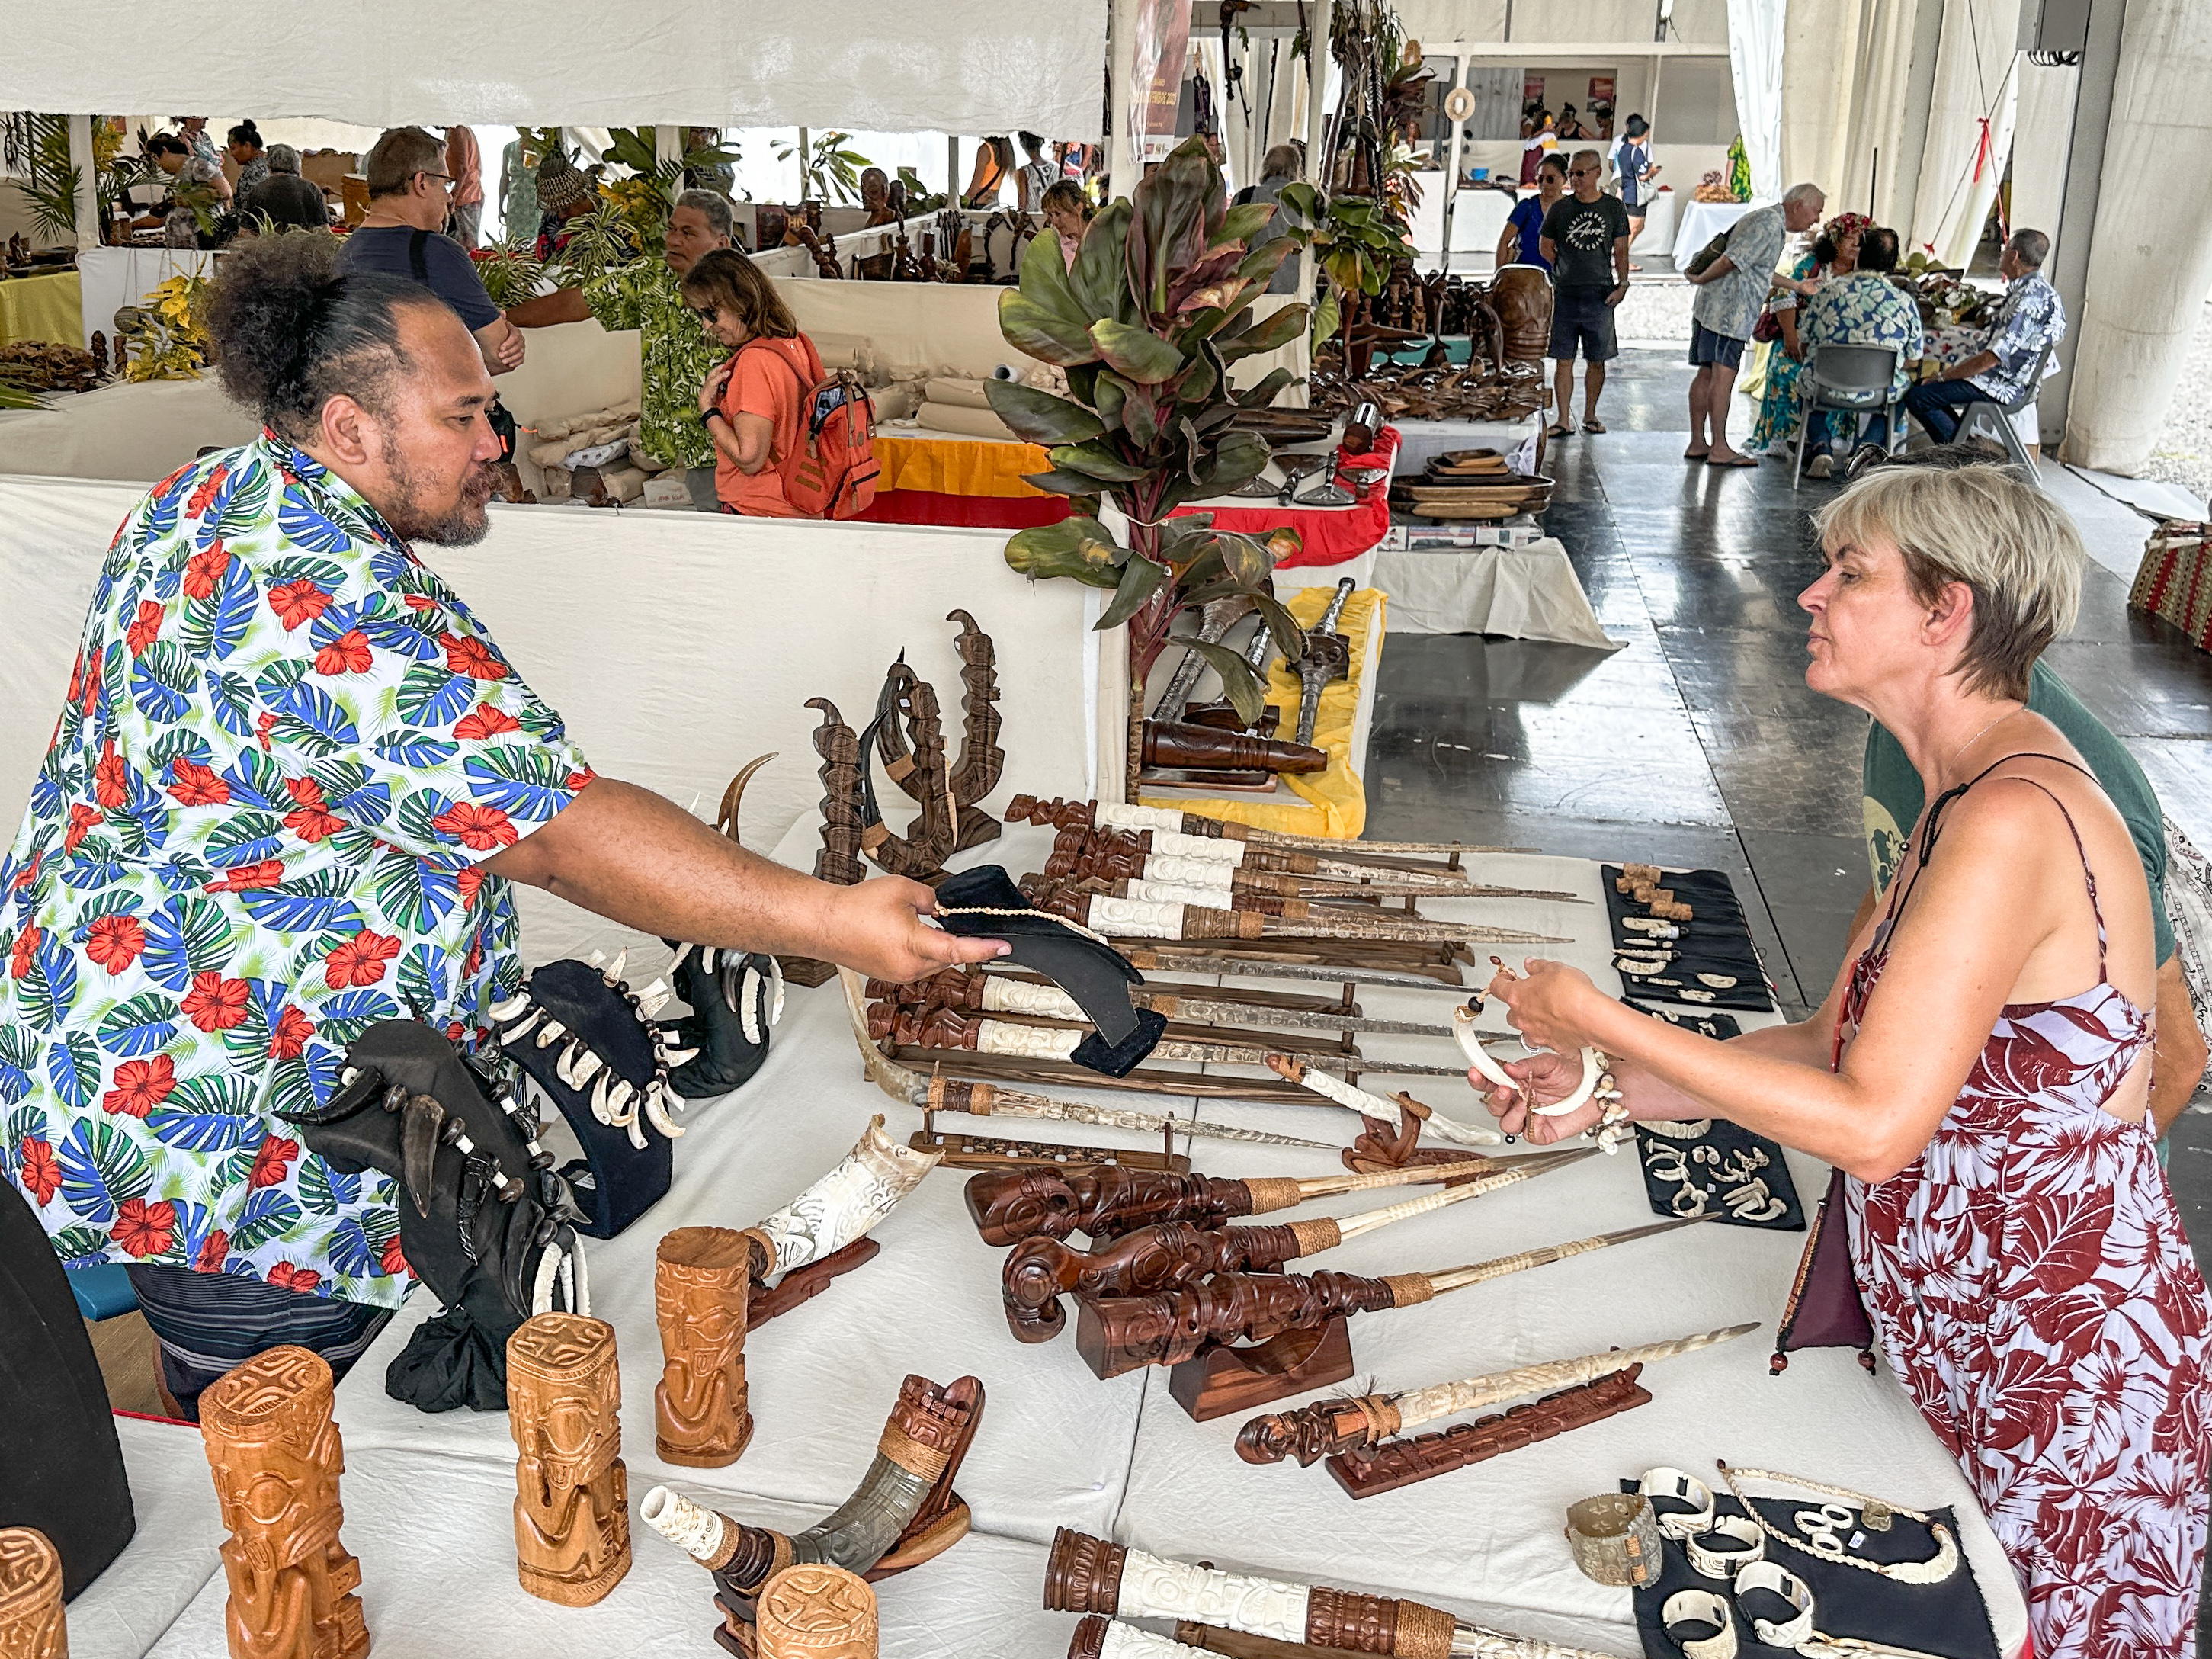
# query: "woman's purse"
[1825,1310]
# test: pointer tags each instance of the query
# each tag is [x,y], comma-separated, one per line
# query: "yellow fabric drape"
[955,466]
[42,308]
[1335,802]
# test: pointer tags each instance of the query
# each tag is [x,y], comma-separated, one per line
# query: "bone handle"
[1135,918]
[1369,1220]
[1175,842]
[996,1036]
[1114,815]
[1373,1105]
[1421,1405]
[1414,1176]
[698,1531]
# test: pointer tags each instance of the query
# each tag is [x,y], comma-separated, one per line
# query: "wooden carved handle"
[1121,1334]
[1161,1257]
[1009,1206]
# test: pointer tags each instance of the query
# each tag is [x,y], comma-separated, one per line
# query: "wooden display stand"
[1224,1380]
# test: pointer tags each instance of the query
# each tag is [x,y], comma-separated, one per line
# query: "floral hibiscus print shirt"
[285,748]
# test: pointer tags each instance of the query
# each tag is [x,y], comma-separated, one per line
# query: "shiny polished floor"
[1697,743]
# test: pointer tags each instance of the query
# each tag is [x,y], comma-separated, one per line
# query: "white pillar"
[1974,85]
[800,158]
[1756,31]
[2150,259]
[1895,75]
[1122,166]
[87,181]
[2039,146]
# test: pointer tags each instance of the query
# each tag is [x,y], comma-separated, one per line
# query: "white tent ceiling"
[882,65]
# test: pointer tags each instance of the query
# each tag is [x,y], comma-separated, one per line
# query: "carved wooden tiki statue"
[700,1278]
[32,1625]
[816,1611]
[572,1492]
[276,1459]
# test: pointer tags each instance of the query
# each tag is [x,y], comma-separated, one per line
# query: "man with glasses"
[1585,238]
[409,197]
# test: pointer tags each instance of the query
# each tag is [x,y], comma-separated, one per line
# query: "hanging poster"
[1163,45]
[1532,90]
[1601,92]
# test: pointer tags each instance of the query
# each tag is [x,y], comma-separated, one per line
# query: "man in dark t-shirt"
[403,236]
[1585,236]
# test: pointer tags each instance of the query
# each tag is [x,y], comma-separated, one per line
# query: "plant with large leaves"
[1146,323]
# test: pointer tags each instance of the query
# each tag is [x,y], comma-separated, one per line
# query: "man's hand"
[876,928]
[511,350]
[1616,295]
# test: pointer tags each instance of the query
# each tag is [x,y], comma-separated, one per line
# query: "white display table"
[1700,222]
[1520,592]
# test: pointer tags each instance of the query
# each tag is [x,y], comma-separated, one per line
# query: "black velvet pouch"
[1096,975]
[1726,1174]
[1949,1618]
[1825,1308]
[61,1466]
[1717,940]
[1721,1027]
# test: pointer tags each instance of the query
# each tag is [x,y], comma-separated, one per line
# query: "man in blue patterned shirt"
[2032,319]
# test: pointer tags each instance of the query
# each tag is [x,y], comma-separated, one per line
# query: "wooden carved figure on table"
[921,852]
[572,1491]
[976,774]
[701,1277]
[816,1610]
[276,1459]
[32,1623]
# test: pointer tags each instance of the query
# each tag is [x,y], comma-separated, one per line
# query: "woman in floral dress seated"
[1834,252]
[1980,1072]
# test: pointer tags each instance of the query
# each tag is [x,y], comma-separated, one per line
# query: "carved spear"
[1110,815]
[1237,854]
[983,1099]
[1181,962]
[1330,1426]
[950,1029]
[1088,1575]
[1143,919]
[1121,1333]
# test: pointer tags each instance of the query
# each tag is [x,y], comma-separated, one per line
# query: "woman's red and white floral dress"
[2029,1279]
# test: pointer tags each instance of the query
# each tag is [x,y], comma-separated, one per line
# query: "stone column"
[2151,256]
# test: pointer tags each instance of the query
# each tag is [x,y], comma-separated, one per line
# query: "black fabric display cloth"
[61,1466]
[1949,1618]
[1711,1162]
[1715,940]
[1720,1027]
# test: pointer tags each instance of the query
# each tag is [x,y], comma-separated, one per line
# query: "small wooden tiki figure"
[32,1625]
[276,1459]
[816,1611]
[701,1280]
[572,1492]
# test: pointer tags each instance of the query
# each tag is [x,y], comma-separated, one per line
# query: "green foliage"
[648,195]
[600,240]
[1158,305]
[49,191]
[828,171]
[170,341]
[1355,240]
[508,270]
[919,198]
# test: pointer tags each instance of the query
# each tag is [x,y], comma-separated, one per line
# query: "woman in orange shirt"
[751,404]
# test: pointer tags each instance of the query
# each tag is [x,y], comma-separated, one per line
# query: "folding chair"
[1996,417]
[1854,379]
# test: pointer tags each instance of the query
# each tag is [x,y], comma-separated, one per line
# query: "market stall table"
[1701,222]
[43,307]
[1528,592]
[112,277]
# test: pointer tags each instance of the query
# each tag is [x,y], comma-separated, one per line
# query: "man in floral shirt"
[676,352]
[291,780]
[1864,307]
[2030,324]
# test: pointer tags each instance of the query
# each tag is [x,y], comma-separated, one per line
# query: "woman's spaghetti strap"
[1930,828]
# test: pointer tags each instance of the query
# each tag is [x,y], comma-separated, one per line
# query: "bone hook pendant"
[1480,1058]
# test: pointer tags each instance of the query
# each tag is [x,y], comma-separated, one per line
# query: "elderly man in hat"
[678,354]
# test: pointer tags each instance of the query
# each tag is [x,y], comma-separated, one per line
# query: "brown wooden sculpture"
[1365,1471]
[701,1277]
[1520,296]
[1184,747]
[921,852]
[1074,843]
[815,1610]
[838,857]
[572,1491]
[1015,1205]
[1038,1271]
[276,1459]
[32,1623]
[976,774]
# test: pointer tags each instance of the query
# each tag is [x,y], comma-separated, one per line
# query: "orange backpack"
[832,474]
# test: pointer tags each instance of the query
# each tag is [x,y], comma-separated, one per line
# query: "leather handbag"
[1825,1310]
[1705,255]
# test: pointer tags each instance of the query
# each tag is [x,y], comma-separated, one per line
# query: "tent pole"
[801,159]
[1122,168]
[952,170]
[1317,168]
[88,185]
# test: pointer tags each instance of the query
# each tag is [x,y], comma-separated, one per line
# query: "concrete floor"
[1697,743]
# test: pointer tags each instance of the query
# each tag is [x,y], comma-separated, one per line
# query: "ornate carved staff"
[839,858]
[1113,815]
[1074,843]
[32,1623]
[1330,1426]
[1215,620]
[1142,919]
[1170,1255]
[976,774]
[1328,656]
[1124,1332]
[1001,994]
[937,1094]
[1088,1575]
[1010,1206]
[948,1028]
[1110,862]
[276,1459]
[1175,959]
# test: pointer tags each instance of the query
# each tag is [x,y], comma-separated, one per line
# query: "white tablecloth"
[115,277]
[1701,222]
[1522,593]
[426,1498]
[1660,214]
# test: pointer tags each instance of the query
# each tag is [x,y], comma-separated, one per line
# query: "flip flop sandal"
[1593,426]
[1740,460]
[1695,454]
[1559,432]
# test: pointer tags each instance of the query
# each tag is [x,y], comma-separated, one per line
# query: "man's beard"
[462,526]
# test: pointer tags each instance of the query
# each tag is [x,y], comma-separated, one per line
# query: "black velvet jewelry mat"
[1949,1619]
[1719,1026]
[1715,940]
[1726,1141]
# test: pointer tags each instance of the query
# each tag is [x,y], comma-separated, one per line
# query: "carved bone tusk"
[1471,1046]
[748,1004]
[515,1032]
[550,1033]
[676,1057]
[503,1012]
[775,972]
[657,1101]
[621,966]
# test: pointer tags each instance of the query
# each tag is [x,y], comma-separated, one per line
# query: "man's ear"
[351,435]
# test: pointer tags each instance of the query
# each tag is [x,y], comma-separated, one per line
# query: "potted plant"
[1146,325]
